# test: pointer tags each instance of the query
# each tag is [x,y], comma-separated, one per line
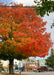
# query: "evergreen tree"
[50,60]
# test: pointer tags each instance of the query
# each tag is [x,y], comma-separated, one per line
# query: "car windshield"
[42,67]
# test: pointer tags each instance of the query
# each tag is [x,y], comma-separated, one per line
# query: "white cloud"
[50,20]
[25,2]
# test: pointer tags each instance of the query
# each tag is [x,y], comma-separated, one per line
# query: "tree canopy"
[44,6]
[22,33]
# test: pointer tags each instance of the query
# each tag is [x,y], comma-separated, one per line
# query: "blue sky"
[49,18]
[5,1]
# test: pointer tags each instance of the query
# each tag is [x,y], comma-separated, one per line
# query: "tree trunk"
[11,71]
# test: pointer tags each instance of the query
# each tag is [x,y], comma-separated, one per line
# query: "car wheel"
[39,71]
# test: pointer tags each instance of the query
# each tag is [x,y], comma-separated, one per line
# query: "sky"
[49,18]
[25,2]
[5,0]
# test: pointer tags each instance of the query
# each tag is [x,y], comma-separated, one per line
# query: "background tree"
[52,24]
[44,6]
[50,59]
[22,34]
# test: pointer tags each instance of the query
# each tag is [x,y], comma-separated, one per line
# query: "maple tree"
[23,34]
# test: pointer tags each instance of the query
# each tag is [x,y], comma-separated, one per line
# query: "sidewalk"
[30,73]
[38,73]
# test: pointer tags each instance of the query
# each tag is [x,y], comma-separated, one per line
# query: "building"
[27,64]
[42,62]
[30,64]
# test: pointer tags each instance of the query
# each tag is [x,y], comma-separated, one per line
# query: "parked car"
[50,70]
[35,70]
[21,68]
[43,68]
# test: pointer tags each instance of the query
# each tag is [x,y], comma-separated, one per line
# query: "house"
[42,62]
[27,64]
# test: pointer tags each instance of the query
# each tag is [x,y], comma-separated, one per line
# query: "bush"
[29,67]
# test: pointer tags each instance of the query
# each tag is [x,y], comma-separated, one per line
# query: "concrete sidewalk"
[32,73]
[37,73]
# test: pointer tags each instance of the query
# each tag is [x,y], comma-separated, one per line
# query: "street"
[31,73]
[38,73]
